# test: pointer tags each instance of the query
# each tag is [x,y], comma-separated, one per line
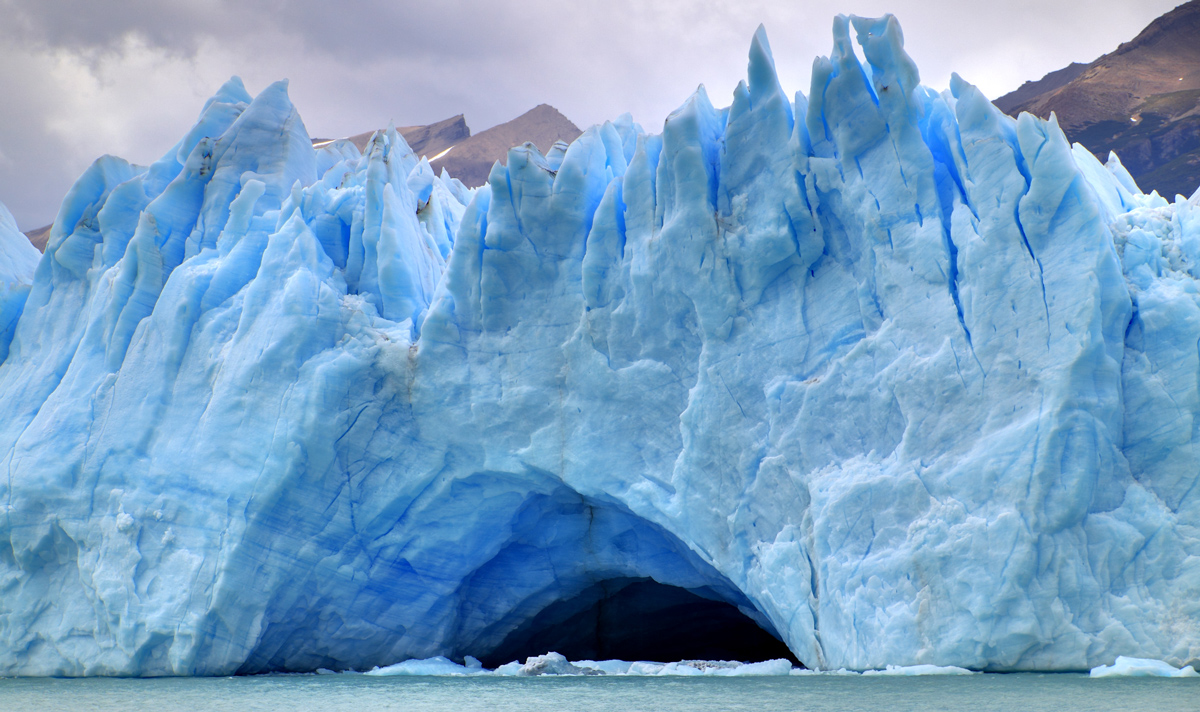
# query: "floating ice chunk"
[1142,667]
[686,669]
[608,667]
[726,668]
[430,666]
[764,668]
[556,664]
[512,669]
[915,670]
[646,668]
[553,664]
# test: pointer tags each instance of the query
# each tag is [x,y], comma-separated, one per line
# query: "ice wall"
[907,381]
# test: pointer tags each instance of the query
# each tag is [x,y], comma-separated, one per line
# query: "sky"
[82,78]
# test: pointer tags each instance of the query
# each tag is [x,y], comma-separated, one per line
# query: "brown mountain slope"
[1164,58]
[449,144]
[470,161]
[39,237]
[426,140]
[1031,90]
[1141,100]
[432,139]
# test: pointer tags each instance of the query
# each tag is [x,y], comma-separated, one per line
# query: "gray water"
[356,693]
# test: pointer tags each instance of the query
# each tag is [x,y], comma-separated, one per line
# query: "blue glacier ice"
[906,381]
[18,259]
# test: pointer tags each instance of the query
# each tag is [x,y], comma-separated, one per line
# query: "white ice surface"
[1141,667]
[555,664]
[917,670]
[431,666]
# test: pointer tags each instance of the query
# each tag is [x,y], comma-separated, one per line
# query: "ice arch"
[554,554]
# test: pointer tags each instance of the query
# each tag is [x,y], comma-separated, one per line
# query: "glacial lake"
[823,693]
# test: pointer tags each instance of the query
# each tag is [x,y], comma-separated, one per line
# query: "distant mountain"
[1030,91]
[449,144]
[39,236]
[1142,101]
[423,140]
[471,160]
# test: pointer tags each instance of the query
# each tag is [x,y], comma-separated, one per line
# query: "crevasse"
[905,380]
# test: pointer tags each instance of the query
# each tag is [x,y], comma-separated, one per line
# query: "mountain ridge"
[1141,100]
[471,161]
[1034,88]
[469,157]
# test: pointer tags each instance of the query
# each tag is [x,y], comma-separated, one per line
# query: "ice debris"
[905,380]
[919,670]
[1141,667]
[437,665]
[556,664]
[548,664]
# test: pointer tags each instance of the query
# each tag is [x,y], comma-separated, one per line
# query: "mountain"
[449,144]
[1142,101]
[1030,91]
[428,140]
[39,236]
[880,373]
[471,160]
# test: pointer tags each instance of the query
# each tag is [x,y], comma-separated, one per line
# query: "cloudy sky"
[81,78]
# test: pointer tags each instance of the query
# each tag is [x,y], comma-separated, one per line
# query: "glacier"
[905,381]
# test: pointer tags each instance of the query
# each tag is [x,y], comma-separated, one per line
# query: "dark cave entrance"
[641,619]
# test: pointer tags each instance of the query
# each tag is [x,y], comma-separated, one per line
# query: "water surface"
[825,693]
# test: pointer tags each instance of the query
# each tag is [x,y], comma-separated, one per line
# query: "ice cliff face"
[904,379]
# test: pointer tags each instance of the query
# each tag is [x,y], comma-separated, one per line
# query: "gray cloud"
[128,77]
[93,25]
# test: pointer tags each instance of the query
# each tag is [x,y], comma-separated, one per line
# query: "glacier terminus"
[899,378]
